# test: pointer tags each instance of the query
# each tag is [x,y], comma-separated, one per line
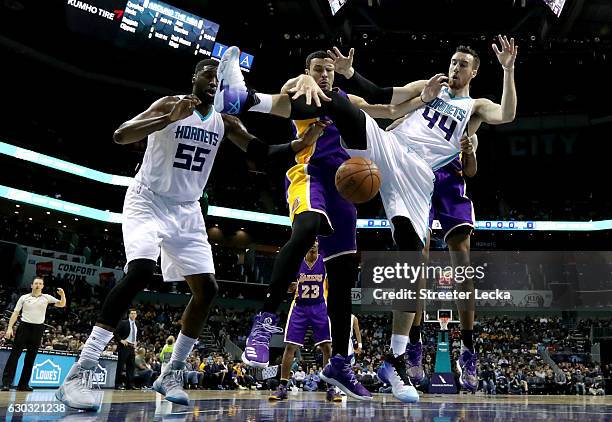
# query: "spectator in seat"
[142,370]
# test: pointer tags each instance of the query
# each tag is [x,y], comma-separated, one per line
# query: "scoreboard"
[148,24]
[157,22]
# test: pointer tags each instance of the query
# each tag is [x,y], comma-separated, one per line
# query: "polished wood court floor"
[41,405]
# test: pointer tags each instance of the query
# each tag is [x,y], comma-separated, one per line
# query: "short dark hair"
[203,63]
[469,50]
[132,309]
[316,55]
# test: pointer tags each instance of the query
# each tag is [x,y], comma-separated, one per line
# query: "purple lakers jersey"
[327,153]
[312,283]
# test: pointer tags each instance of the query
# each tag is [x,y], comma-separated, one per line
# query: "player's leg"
[456,214]
[76,391]
[414,349]
[339,252]
[307,223]
[186,255]
[233,97]
[458,242]
[394,370]
[203,288]
[288,355]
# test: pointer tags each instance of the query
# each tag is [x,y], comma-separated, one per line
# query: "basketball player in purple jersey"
[308,309]
[316,208]
[455,211]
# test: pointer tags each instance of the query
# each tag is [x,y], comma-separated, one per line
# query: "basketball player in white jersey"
[161,214]
[407,156]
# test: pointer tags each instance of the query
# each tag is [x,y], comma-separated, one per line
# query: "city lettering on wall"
[543,144]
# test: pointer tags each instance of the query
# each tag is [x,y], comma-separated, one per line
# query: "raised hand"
[342,64]
[433,87]
[314,131]
[508,52]
[184,107]
[467,147]
[307,86]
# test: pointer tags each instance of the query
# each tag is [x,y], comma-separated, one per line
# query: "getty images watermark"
[508,280]
[394,276]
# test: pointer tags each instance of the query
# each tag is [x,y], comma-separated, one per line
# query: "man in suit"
[125,335]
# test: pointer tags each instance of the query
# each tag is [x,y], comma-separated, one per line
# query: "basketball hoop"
[443,323]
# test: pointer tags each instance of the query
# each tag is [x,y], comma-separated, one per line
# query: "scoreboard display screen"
[155,22]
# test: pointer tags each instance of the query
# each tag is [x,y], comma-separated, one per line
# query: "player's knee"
[459,239]
[140,272]
[204,287]
[306,227]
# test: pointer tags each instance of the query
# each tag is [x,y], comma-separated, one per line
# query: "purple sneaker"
[257,350]
[414,362]
[231,92]
[280,394]
[466,365]
[338,372]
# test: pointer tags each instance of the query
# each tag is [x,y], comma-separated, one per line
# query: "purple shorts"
[311,189]
[303,316]
[449,203]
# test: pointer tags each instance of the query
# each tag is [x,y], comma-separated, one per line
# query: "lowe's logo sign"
[46,372]
[99,377]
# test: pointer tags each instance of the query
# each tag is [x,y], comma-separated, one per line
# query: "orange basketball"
[358,180]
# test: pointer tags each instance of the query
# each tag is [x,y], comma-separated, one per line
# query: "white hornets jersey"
[435,130]
[179,158]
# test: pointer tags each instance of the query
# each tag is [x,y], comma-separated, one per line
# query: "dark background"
[65,91]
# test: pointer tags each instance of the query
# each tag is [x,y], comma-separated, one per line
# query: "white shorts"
[152,224]
[407,180]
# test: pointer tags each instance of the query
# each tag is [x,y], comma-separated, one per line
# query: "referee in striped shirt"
[33,307]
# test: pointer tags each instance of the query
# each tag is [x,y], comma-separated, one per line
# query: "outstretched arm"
[260,151]
[505,112]
[159,115]
[430,90]
[367,89]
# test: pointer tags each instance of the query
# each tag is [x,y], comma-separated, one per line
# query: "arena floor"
[254,406]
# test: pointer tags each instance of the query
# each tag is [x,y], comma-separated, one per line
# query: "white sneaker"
[231,90]
[170,383]
[393,372]
[76,391]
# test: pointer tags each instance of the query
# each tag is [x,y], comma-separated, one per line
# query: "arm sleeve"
[260,152]
[19,304]
[52,300]
[367,89]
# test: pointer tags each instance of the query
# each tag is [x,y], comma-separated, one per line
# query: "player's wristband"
[359,345]
[508,69]
[422,100]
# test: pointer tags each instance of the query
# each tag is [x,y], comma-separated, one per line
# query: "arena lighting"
[116,180]
[259,217]
[68,167]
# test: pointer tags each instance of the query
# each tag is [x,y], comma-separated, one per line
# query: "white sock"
[95,344]
[398,344]
[265,103]
[182,348]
